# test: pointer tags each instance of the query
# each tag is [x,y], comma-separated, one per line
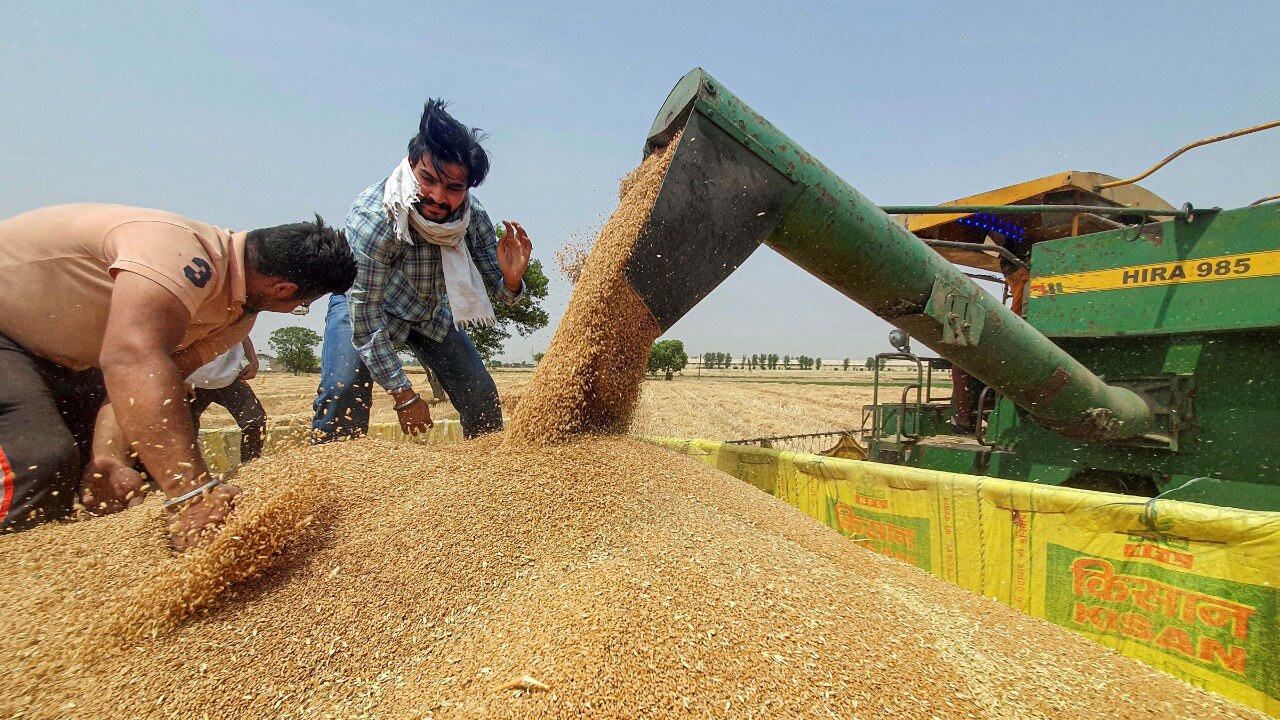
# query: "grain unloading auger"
[736,182]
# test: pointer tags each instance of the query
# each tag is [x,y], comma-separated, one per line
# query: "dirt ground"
[716,404]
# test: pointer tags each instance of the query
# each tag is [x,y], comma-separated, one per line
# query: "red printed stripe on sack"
[8,485]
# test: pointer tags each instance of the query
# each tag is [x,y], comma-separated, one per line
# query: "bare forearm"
[150,402]
[187,361]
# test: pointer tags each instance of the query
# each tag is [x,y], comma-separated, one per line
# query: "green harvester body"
[1144,364]
[1202,347]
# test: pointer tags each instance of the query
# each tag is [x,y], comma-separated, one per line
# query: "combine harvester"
[1140,369]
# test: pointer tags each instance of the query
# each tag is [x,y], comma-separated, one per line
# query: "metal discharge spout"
[737,182]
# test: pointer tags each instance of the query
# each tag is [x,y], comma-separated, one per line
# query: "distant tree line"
[766,361]
[713,360]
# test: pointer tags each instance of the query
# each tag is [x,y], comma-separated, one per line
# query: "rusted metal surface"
[897,308]
[1050,388]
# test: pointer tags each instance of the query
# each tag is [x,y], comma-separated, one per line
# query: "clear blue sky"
[247,114]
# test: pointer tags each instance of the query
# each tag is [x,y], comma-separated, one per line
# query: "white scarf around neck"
[463,283]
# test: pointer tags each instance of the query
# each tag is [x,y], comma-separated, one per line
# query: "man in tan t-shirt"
[107,302]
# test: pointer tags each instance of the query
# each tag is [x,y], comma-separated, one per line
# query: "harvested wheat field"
[288,398]
[734,410]
[601,578]
[716,409]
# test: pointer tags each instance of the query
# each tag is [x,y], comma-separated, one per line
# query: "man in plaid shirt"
[399,296]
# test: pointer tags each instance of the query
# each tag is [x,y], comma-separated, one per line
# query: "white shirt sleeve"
[221,371]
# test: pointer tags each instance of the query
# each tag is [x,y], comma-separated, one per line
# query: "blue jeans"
[346,387]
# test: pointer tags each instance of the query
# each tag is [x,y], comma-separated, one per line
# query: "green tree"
[294,348]
[537,357]
[871,363]
[846,365]
[525,316]
[786,362]
[818,364]
[667,356]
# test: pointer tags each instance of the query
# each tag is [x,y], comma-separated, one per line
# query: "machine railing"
[818,443]
[873,415]
[877,420]
[902,413]
[980,416]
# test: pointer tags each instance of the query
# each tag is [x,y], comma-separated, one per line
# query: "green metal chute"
[737,182]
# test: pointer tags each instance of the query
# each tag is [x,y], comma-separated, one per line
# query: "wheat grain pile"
[589,379]
[599,578]
[74,592]
[556,576]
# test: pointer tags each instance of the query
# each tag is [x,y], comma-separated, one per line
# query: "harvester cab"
[1124,373]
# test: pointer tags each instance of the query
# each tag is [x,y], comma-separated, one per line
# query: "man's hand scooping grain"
[192,520]
[106,310]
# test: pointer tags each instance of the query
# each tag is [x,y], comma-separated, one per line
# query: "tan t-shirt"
[57,268]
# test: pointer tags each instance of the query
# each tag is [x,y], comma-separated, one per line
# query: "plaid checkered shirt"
[399,286]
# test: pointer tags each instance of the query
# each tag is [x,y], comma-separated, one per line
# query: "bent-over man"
[122,303]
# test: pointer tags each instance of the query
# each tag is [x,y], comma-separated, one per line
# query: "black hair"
[449,142]
[315,258]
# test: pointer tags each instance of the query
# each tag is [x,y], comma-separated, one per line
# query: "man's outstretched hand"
[514,248]
[197,521]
